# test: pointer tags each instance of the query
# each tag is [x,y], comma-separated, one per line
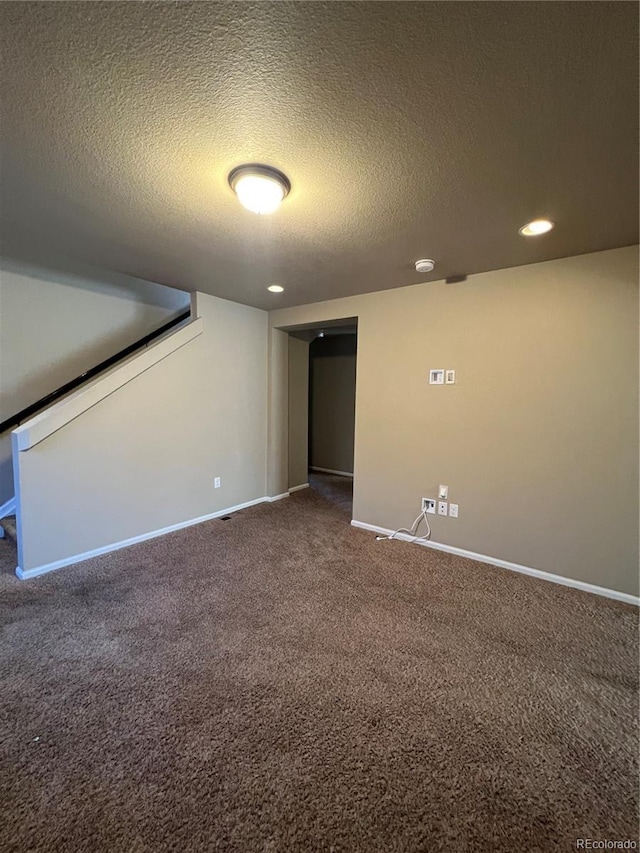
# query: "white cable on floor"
[413,531]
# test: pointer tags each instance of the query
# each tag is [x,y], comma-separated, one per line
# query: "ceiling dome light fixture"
[259,188]
[275,288]
[425,265]
[537,227]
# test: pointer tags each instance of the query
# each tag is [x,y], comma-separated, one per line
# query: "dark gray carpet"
[283,682]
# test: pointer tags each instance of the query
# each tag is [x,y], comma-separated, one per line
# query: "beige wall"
[298,411]
[145,457]
[332,402]
[278,413]
[537,441]
[53,328]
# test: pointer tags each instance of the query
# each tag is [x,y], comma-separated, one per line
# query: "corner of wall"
[194,305]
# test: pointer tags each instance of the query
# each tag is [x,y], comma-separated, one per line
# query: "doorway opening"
[322,402]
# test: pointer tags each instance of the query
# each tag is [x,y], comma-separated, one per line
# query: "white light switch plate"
[216,483]
[450,377]
[443,492]
[453,510]
[436,377]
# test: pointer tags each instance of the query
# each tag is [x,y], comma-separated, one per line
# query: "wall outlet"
[453,510]
[429,505]
[436,377]
[450,377]
[217,483]
[443,492]
[442,508]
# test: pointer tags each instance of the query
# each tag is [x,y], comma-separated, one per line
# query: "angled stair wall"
[53,327]
[136,452]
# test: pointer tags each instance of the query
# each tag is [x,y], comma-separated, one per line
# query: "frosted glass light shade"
[259,188]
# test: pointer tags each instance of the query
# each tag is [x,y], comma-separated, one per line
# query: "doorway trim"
[277,464]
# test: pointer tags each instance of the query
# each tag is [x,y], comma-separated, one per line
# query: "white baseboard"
[8,507]
[25,574]
[505,564]
[273,498]
[298,488]
[331,471]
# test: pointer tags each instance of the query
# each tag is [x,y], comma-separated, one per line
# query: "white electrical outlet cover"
[442,508]
[450,377]
[436,377]
[443,492]
[453,510]
[216,483]
[429,506]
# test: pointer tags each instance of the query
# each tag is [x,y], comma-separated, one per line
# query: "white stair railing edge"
[45,423]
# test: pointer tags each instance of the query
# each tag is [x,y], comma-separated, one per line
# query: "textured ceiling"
[408,130]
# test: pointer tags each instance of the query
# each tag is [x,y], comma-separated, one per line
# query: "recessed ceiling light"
[537,227]
[259,188]
[425,265]
[275,288]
